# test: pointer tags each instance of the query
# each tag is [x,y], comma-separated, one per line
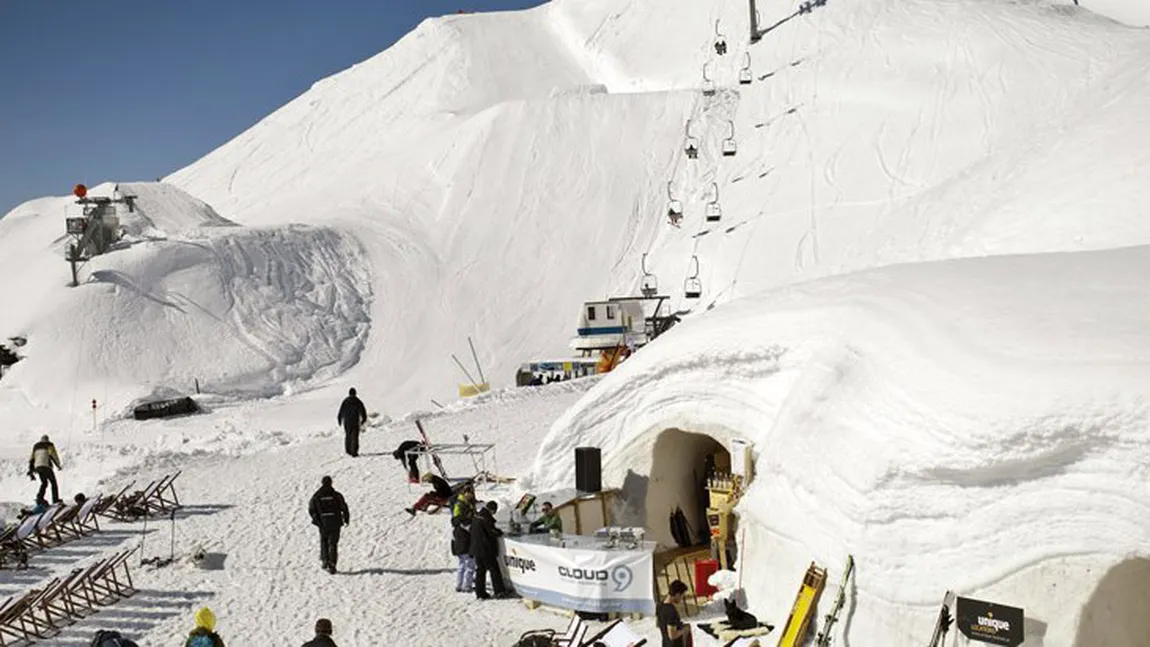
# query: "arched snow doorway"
[1115,614]
[680,461]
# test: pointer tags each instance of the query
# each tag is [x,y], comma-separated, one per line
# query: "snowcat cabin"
[681,464]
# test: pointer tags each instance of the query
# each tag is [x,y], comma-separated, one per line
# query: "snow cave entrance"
[680,463]
[1115,614]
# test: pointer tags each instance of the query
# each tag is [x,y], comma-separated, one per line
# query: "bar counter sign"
[597,581]
[988,622]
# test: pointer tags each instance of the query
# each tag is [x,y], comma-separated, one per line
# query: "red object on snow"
[704,568]
[79,190]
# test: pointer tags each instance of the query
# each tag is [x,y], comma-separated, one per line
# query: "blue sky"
[135,89]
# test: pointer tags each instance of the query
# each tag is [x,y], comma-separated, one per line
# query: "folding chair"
[105,586]
[53,605]
[24,540]
[43,536]
[132,506]
[87,521]
[7,633]
[161,503]
[573,637]
[109,503]
[617,634]
[81,591]
[60,528]
[26,619]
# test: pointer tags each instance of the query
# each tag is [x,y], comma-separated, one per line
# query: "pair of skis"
[824,636]
[942,625]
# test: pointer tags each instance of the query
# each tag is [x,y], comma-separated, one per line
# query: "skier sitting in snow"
[437,497]
[204,635]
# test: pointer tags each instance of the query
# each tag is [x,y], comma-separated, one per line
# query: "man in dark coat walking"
[353,416]
[329,512]
[322,635]
[485,549]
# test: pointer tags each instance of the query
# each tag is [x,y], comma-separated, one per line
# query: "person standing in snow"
[43,457]
[204,635]
[485,550]
[461,548]
[322,635]
[329,513]
[671,628]
[353,416]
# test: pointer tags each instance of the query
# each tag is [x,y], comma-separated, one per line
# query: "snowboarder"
[667,617]
[411,460]
[352,415]
[329,513]
[204,635]
[438,497]
[322,635]
[461,548]
[485,549]
[40,464]
[549,522]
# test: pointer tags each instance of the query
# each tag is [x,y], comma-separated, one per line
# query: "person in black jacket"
[411,460]
[40,464]
[437,497]
[353,416]
[322,635]
[329,512]
[485,549]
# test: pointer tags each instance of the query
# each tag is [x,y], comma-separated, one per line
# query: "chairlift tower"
[94,232]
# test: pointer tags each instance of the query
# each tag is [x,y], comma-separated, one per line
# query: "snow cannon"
[80,191]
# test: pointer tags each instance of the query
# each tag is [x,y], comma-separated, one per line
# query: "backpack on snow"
[106,638]
[537,638]
[201,640]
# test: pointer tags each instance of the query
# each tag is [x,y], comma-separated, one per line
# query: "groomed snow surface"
[976,425]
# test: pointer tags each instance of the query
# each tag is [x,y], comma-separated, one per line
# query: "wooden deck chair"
[87,521]
[617,634]
[107,585]
[43,536]
[52,607]
[25,537]
[11,552]
[60,528]
[132,506]
[576,630]
[83,597]
[7,634]
[164,499]
[107,504]
[29,621]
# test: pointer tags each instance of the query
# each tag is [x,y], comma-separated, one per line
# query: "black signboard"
[988,622]
[76,226]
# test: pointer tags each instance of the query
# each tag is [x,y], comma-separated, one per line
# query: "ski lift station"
[611,324]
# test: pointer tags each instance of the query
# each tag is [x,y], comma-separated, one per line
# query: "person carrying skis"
[438,497]
[204,635]
[43,457]
[329,513]
[322,635]
[353,416]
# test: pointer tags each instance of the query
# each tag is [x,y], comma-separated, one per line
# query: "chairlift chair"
[729,146]
[691,147]
[720,41]
[650,285]
[745,75]
[674,208]
[708,84]
[714,212]
[693,287]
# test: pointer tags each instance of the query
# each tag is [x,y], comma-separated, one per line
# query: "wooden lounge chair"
[573,637]
[164,499]
[87,519]
[108,503]
[617,634]
[105,585]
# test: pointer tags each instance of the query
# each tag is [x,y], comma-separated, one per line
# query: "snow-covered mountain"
[490,172]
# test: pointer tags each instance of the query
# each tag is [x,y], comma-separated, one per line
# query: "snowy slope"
[972,425]
[481,146]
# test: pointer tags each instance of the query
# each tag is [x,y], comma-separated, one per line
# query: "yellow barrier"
[472,390]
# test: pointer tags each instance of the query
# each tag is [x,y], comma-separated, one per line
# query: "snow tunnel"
[1115,613]
[680,462]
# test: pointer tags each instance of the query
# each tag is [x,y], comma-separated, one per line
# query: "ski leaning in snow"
[942,625]
[824,637]
[427,443]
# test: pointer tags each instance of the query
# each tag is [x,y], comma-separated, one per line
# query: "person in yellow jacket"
[43,457]
[204,635]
